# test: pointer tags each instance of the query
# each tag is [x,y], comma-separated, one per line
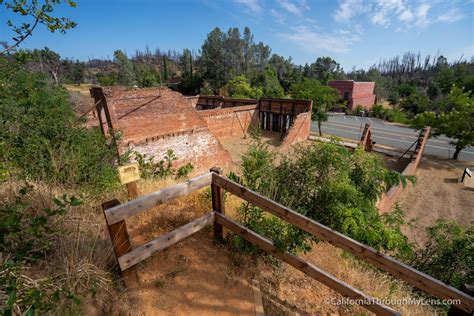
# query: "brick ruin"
[153,120]
[355,93]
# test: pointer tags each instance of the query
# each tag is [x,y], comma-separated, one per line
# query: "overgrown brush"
[327,183]
[449,253]
[41,137]
[52,260]
[152,168]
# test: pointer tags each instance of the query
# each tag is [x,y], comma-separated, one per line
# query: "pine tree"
[126,75]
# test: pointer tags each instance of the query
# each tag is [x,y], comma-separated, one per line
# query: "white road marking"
[345,117]
[356,118]
[370,121]
[399,140]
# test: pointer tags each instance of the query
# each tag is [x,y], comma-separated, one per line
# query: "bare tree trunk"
[319,128]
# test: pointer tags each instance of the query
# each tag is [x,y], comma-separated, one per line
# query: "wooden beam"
[217,204]
[117,231]
[145,251]
[378,259]
[133,207]
[306,267]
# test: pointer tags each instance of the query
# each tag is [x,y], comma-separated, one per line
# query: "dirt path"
[438,194]
[193,277]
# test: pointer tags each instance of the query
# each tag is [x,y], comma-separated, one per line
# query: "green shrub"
[397,116]
[327,183]
[26,235]
[183,171]
[448,255]
[26,296]
[42,137]
[161,169]
[378,111]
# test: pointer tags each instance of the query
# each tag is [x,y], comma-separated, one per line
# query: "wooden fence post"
[132,188]
[118,232]
[120,242]
[217,204]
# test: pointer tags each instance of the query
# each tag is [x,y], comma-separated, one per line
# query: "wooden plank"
[118,232]
[133,207]
[145,251]
[378,259]
[306,267]
[217,205]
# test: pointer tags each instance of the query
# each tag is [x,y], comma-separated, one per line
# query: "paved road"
[386,134]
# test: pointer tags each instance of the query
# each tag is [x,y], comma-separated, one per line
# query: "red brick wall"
[363,89]
[157,119]
[360,93]
[227,121]
[300,129]
[217,101]
[366,102]
[342,86]
[199,147]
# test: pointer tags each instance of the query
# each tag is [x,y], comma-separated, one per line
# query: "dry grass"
[287,290]
[81,88]
[80,259]
[83,260]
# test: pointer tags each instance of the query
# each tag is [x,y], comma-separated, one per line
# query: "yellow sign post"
[129,174]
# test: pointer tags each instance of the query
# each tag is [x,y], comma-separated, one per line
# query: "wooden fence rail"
[147,250]
[306,267]
[384,262]
[116,214]
[123,211]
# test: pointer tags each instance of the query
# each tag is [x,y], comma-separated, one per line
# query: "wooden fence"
[116,214]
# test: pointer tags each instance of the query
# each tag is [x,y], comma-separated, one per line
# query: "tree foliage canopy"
[39,12]
[324,97]
[455,119]
[41,136]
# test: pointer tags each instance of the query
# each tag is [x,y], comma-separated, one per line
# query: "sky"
[356,33]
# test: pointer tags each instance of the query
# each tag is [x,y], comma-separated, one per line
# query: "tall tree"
[49,62]
[234,52]
[261,54]
[248,46]
[271,85]
[326,69]
[213,63]
[164,71]
[126,75]
[287,72]
[324,98]
[456,120]
[190,83]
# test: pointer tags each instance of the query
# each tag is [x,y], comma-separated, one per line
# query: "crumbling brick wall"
[300,129]
[157,119]
[231,121]
[232,117]
[387,200]
[206,102]
[289,117]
